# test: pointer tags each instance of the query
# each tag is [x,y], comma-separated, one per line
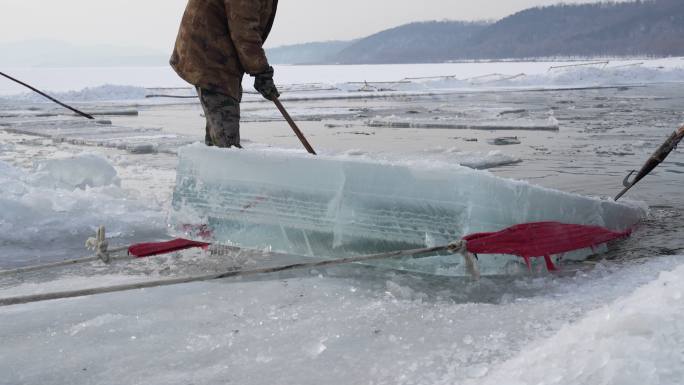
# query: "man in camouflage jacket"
[218,42]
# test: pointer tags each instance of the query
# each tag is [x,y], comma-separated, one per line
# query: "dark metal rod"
[654,161]
[171,96]
[296,129]
[83,114]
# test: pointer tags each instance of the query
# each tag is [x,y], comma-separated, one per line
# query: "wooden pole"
[296,129]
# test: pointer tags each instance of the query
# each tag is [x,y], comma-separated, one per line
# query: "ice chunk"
[80,171]
[332,207]
[142,148]
[471,159]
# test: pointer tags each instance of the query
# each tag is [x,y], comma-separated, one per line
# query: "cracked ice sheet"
[327,327]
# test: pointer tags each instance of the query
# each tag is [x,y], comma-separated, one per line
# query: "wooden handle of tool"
[296,129]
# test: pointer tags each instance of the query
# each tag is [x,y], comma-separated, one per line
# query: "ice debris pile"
[334,206]
[49,212]
[105,92]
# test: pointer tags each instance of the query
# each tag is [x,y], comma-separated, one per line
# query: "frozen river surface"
[614,320]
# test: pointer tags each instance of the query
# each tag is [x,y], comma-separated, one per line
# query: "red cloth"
[541,239]
[150,249]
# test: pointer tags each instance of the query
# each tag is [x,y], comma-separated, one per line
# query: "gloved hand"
[263,83]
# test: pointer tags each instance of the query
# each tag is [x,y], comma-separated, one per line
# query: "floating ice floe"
[102,133]
[470,123]
[472,159]
[340,206]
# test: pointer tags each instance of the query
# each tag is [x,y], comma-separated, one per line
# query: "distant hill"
[433,41]
[308,53]
[641,28]
[637,28]
[425,42]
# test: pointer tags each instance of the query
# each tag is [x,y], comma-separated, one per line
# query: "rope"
[454,248]
[68,262]
[98,244]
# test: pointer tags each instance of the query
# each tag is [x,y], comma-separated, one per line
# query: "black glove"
[263,83]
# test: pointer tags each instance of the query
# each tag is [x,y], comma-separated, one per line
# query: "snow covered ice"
[334,206]
[347,326]
[636,340]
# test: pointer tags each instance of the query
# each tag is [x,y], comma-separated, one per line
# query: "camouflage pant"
[223,118]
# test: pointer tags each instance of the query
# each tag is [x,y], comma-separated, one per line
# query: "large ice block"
[339,206]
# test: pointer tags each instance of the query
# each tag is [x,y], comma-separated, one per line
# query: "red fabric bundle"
[541,239]
[143,250]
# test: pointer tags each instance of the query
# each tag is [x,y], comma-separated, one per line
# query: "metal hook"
[626,181]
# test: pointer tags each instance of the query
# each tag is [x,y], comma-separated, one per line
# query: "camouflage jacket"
[220,40]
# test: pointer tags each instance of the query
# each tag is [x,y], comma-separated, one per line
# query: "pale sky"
[153,23]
